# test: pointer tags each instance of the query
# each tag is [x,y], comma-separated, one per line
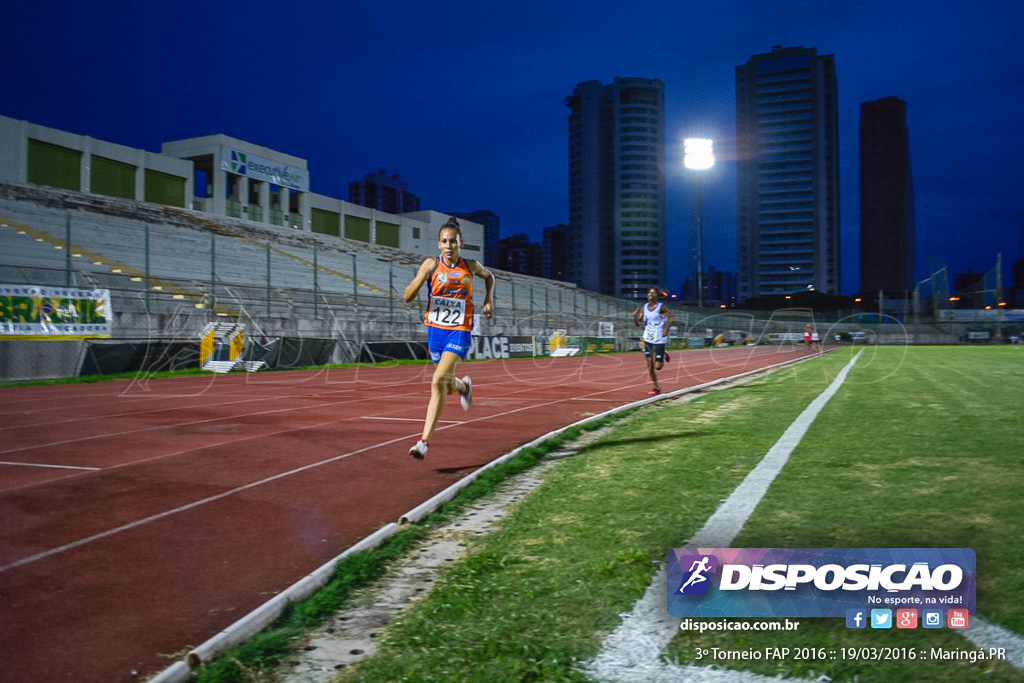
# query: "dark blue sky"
[465,100]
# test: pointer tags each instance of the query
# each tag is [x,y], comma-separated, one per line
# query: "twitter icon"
[881,618]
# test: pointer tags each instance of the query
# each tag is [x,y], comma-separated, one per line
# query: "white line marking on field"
[987,635]
[633,650]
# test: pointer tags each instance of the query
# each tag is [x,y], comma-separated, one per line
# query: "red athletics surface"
[138,519]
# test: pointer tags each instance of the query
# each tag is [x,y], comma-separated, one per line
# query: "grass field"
[921,447]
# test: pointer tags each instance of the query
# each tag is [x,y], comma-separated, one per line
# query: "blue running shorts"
[456,341]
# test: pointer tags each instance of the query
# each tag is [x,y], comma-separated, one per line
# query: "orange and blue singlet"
[449,316]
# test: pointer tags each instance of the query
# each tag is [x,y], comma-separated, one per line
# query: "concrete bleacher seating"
[153,258]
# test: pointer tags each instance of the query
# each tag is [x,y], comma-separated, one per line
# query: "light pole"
[698,156]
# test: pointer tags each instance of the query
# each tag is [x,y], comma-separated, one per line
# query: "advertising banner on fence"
[818,582]
[598,344]
[30,312]
[501,347]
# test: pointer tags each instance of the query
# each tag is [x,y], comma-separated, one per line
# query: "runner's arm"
[421,276]
[478,270]
[669,318]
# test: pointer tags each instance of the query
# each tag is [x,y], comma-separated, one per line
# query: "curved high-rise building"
[616,238]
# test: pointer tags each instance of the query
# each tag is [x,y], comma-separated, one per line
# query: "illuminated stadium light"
[698,154]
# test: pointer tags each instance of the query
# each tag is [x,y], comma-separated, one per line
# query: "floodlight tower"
[698,156]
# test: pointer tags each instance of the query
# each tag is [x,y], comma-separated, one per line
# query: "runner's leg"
[443,383]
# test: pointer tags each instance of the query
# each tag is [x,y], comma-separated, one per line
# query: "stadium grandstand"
[194,250]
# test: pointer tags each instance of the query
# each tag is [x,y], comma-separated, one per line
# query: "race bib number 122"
[447,312]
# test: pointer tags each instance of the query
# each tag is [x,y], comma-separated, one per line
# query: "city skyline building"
[616,239]
[787,144]
[553,252]
[887,224]
[517,254]
[383,192]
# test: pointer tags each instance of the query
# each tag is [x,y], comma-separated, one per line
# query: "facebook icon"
[856,618]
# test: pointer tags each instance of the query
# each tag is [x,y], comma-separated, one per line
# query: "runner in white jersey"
[656,319]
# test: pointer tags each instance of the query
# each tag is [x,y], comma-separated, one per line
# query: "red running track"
[138,519]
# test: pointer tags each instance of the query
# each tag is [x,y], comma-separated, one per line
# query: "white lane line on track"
[323,393]
[56,467]
[333,404]
[189,506]
[49,424]
[192,423]
[633,650]
[404,419]
[446,423]
[167,513]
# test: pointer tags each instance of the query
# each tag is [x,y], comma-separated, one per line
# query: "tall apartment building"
[886,200]
[616,238]
[383,192]
[787,145]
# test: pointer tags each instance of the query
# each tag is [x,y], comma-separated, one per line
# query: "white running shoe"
[419,451]
[467,396]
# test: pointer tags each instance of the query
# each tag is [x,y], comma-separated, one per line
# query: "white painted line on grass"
[633,650]
[988,636]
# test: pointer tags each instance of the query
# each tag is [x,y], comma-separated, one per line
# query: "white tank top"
[654,325]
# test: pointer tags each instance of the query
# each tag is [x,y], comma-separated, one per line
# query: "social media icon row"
[906,618]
